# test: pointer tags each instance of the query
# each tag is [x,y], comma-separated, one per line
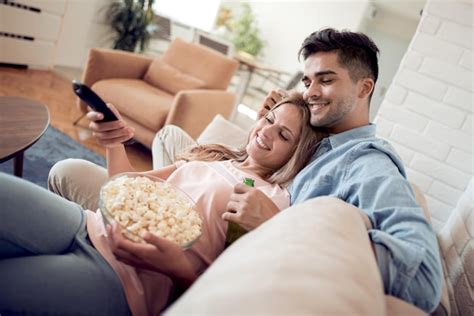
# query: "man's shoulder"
[373,145]
[374,153]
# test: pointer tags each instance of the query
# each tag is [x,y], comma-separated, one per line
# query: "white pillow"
[222,131]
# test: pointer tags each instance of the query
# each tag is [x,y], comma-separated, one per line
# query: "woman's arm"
[117,161]
[162,173]
[111,135]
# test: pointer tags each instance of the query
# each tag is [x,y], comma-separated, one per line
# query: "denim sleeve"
[405,245]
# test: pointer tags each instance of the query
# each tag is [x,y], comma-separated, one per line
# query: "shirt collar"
[360,132]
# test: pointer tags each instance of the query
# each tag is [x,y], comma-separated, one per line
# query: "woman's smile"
[260,143]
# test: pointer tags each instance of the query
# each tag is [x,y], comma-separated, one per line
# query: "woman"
[53,261]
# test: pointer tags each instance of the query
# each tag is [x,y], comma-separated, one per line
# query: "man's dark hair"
[356,51]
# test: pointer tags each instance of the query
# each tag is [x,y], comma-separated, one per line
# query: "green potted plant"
[245,34]
[130,19]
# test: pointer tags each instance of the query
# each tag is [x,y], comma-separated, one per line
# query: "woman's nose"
[267,131]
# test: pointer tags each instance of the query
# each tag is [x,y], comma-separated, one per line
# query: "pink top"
[210,185]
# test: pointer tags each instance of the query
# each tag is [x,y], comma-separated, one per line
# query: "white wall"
[392,49]
[285,24]
[83,27]
[392,33]
[427,113]
[43,26]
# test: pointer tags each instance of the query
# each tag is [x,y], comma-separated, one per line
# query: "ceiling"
[409,9]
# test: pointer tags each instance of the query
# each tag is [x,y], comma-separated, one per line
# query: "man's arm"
[404,243]
[272,98]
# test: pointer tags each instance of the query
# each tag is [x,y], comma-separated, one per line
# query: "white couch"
[315,259]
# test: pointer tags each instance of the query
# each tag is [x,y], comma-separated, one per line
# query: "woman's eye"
[284,137]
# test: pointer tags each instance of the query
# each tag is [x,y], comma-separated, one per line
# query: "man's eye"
[306,84]
[268,119]
[326,81]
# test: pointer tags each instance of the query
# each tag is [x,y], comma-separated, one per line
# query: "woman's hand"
[365,219]
[272,98]
[158,254]
[249,207]
[109,134]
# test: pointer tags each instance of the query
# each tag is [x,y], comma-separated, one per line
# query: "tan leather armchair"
[186,86]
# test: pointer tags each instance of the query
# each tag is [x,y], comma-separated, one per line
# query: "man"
[340,71]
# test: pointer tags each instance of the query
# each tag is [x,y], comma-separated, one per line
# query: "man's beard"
[337,111]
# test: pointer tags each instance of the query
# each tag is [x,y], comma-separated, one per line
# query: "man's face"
[331,94]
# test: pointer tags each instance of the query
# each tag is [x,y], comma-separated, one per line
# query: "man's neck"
[344,128]
[357,118]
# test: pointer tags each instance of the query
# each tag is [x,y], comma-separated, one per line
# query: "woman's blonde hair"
[304,148]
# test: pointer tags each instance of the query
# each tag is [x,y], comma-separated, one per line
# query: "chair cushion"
[202,62]
[137,99]
[170,79]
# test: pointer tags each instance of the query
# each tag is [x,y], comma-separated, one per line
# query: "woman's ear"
[366,87]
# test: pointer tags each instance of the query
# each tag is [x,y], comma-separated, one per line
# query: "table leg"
[242,89]
[18,164]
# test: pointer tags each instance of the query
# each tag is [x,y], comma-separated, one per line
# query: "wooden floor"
[56,93]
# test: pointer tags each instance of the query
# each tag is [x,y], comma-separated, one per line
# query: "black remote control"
[93,100]
[96,103]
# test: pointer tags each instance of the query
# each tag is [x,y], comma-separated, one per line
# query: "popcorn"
[140,204]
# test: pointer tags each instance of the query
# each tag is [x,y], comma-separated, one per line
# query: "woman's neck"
[249,166]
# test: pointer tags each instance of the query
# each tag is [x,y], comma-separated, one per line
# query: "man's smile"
[317,106]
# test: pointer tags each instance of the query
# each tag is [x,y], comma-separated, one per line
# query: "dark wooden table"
[22,123]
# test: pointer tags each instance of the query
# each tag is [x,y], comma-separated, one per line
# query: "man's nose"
[312,92]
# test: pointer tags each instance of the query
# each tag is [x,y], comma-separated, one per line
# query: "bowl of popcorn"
[142,203]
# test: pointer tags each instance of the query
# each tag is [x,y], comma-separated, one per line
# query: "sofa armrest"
[106,63]
[313,258]
[193,110]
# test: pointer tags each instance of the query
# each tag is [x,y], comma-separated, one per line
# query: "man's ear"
[366,87]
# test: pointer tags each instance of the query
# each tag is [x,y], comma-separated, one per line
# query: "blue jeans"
[47,262]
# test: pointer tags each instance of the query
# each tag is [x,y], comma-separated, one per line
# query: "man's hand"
[249,207]
[272,98]
[158,254]
[109,134]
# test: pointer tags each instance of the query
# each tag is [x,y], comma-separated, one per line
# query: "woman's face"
[273,140]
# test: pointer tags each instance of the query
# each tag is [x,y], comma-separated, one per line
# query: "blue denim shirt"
[365,171]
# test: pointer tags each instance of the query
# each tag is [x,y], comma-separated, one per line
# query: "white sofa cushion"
[222,131]
[456,240]
[313,259]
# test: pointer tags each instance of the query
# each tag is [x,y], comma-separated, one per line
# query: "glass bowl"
[141,203]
